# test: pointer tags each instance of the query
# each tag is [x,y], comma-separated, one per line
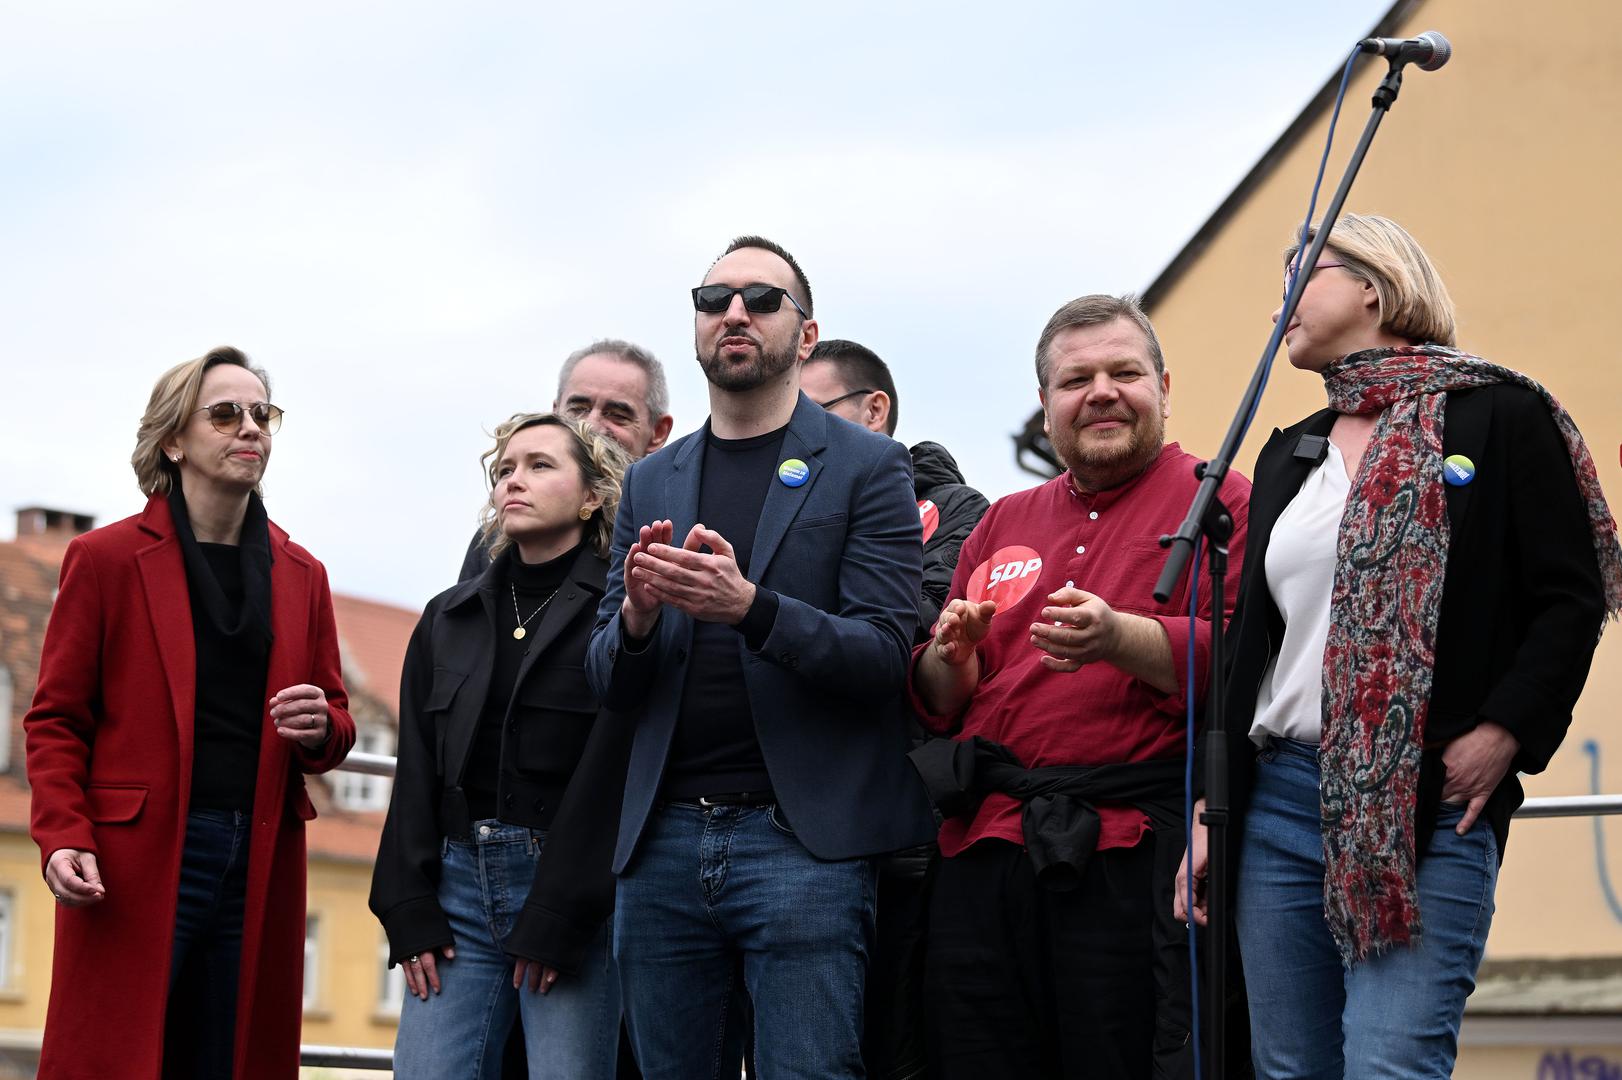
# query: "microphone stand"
[1208,518]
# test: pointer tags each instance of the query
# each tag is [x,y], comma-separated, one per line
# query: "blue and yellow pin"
[793,472]
[1458,470]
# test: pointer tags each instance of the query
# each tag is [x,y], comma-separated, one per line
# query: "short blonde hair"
[602,463]
[1414,304]
[169,409]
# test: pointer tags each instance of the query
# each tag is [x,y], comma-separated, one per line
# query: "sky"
[409,213]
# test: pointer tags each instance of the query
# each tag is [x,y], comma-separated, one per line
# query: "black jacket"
[554,733]
[936,477]
[1522,602]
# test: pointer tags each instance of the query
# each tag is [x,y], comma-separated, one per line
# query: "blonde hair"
[170,408]
[602,463]
[1414,304]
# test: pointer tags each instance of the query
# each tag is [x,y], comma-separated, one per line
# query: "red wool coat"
[109,757]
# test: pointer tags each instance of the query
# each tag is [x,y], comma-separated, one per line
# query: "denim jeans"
[710,884]
[1393,1015]
[571,1033]
[207,953]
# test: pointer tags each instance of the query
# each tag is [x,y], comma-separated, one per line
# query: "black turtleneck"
[533,586]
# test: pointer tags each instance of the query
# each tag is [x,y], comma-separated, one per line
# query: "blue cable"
[1194,577]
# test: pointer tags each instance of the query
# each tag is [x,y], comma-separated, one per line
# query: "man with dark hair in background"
[851,381]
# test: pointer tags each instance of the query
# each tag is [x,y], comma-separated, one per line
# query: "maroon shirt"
[1035,542]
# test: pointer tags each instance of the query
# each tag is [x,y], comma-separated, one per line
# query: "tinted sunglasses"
[226,416]
[759,299]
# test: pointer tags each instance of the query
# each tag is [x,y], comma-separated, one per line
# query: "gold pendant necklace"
[518,631]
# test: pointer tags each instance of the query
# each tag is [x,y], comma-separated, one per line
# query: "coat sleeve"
[1562,597]
[572,893]
[405,881]
[861,650]
[60,726]
[327,673]
[619,676]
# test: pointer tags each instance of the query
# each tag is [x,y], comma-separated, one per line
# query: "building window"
[391,984]
[358,791]
[312,962]
[5,718]
[8,934]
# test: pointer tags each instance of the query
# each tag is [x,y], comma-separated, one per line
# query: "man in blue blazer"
[757,630]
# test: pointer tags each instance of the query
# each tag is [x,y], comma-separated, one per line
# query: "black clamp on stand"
[1209,519]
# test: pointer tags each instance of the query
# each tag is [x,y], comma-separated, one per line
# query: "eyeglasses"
[843,397]
[1289,274]
[226,416]
[759,299]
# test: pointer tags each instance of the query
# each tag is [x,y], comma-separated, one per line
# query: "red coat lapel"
[168,603]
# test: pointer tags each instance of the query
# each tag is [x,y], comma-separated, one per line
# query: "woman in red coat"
[189,680]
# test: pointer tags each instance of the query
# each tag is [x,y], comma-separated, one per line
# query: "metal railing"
[353,1057]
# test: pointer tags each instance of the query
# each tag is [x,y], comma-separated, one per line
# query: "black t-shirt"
[533,586]
[231,696]
[715,750]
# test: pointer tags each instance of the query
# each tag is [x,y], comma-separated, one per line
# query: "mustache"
[1125,416]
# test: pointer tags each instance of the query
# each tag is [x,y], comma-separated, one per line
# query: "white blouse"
[1300,567]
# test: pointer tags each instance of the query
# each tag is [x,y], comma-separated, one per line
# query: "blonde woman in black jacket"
[492,877]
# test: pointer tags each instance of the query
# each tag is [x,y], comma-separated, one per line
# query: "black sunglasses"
[226,416]
[759,299]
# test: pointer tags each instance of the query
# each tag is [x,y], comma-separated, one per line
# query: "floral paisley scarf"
[1390,563]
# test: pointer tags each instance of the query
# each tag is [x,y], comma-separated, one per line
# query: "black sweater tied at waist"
[1058,819]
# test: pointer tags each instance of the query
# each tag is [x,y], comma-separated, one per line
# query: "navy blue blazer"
[843,552]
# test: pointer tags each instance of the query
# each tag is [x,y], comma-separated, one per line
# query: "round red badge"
[930,515]
[1007,577]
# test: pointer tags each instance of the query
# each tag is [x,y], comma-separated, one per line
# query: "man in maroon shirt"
[1052,951]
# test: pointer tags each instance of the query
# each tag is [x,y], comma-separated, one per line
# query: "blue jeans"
[711,884]
[208,942]
[1393,1015]
[571,1033]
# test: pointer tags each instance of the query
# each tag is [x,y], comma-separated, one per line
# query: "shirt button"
[1093,516]
[1070,584]
[1081,550]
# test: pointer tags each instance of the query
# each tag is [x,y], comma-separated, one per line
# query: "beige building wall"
[26,979]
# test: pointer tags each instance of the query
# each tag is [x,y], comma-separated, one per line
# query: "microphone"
[1429,50]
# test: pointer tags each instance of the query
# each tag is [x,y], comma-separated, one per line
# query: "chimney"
[47,524]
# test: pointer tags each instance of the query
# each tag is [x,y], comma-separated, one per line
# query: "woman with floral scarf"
[1430,564]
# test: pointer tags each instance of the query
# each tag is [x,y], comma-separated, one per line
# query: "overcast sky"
[410,213]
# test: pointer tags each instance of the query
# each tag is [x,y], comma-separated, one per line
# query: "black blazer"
[555,733]
[1522,602]
[843,554]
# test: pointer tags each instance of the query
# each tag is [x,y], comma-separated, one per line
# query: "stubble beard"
[1099,468]
[739,377]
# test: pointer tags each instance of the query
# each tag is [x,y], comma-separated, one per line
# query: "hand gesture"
[74,878]
[640,610]
[1196,861]
[422,971]
[539,976]
[300,713]
[1476,761]
[706,585]
[1077,628]
[962,626]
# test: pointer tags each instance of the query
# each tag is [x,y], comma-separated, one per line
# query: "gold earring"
[585,513]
